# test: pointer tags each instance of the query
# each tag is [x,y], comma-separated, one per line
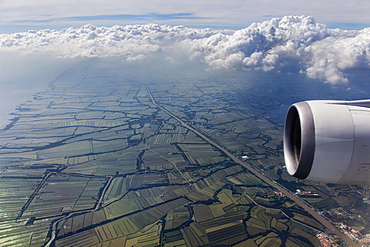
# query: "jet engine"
[328,141]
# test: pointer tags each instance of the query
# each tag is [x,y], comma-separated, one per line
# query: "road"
[287,193]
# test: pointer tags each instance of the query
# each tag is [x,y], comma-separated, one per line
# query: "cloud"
[290,43]
[91,41]
[342,50]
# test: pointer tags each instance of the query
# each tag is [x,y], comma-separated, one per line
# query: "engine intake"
[328,141]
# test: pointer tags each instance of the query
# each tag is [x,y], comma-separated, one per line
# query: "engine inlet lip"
[299,140]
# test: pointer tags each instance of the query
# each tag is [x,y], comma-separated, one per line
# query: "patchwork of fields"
[97,158]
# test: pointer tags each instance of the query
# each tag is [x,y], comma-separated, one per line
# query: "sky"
[22,15]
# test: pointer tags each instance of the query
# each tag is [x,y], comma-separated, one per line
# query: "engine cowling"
[328,141]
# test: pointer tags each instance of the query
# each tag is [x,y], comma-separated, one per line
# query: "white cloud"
[288,43]
[293,43]
[92,41]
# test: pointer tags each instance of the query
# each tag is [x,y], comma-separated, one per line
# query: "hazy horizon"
[290,44]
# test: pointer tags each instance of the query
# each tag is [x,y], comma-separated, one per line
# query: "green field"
[96,156]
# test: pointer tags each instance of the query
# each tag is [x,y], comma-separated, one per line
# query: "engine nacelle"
[328,141]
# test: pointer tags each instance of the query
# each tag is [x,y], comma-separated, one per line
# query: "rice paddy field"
[95,157]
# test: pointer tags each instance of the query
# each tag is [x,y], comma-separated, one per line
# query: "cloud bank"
[290,43]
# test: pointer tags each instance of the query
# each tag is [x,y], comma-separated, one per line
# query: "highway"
[267,180]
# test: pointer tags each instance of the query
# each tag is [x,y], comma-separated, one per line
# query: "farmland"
[95,157]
